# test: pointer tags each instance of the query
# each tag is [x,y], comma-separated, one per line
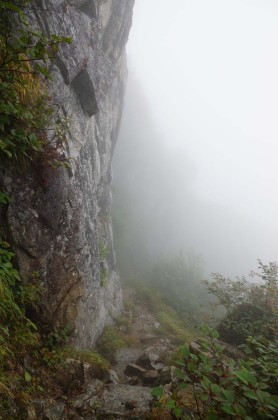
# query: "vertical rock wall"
[59,221]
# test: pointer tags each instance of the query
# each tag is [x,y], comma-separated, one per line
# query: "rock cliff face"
[59,220]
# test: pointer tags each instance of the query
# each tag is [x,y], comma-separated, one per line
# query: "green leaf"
[184,350]
[241,374]
[8,153]
[204,397]
[11,6]
[205,382]
[191,367]
[262,395]
[158,392]
[178,412]
[214,334]
[171,404]
[215,388]
[273,400]
[228,409]
[181,375]
[194,357]
[33,138]
[27,376]
[229,395]
[251,378]
[183,385]
[28,115]
[213,416]
[251,394]
[66,39]
[4,198]
[240,411]
[41,69]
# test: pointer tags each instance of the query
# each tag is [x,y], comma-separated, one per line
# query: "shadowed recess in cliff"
[89,8]
[84,89]
[86,6]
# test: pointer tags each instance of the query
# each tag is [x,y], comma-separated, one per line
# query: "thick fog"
[195,167]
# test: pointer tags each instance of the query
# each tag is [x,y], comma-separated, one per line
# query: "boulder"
[134,370]
[124,356]
[93,372]
[55,411]
[46,410]
[95,388]
[125,401]
[153,356]
[111,376]
[148,358]
[150,377]
[158,366]
[167,375]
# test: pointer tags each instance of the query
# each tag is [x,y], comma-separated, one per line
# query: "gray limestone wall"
[59,220]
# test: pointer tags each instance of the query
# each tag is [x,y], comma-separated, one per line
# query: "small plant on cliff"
[25,56]
[18,334]
[103,276]
[91,357]
[102,249]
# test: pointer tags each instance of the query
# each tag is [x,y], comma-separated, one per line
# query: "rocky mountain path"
[145,327]
[125,390]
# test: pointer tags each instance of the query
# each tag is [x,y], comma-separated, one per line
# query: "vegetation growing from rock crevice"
[25,115]
[17,333]
[25,110]
[33,361]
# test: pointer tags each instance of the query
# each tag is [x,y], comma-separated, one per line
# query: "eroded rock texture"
[59,220]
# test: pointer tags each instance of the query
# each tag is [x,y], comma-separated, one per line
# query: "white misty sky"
[209,69]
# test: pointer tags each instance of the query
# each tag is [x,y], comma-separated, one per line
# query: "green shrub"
[17,332]
[251,308]
[56,338]
[223,387]
[263,358]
